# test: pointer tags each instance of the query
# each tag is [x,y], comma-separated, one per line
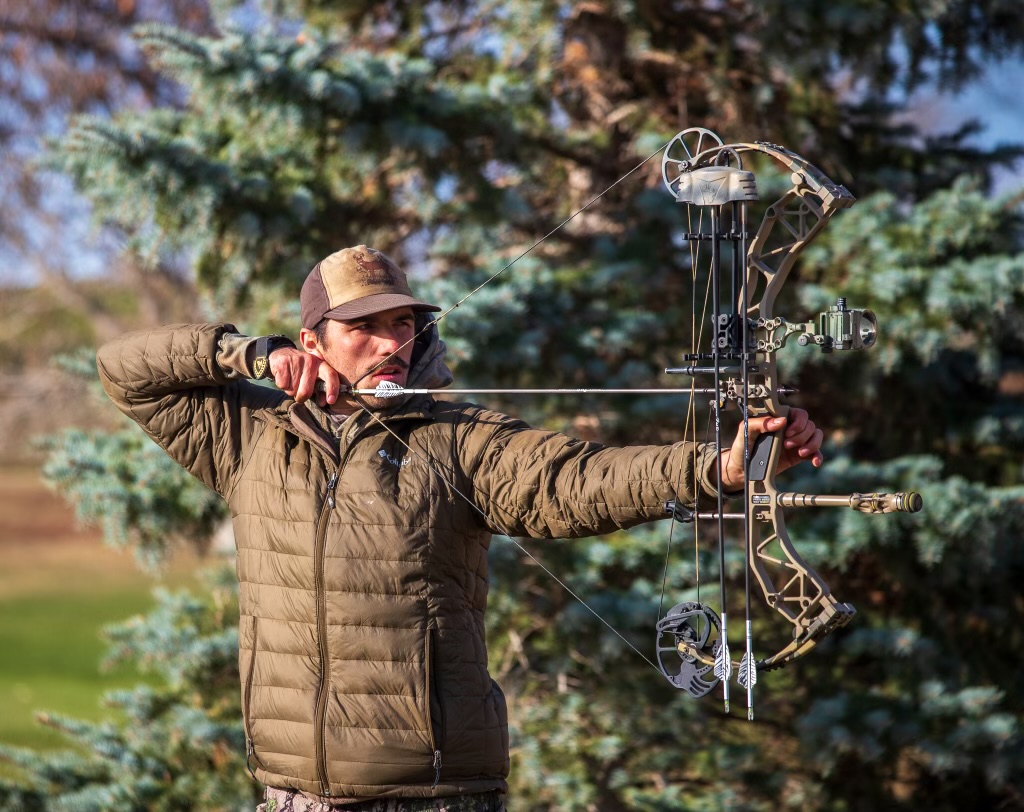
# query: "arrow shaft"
[404,391]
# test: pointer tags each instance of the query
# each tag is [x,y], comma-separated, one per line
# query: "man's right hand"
[296,372]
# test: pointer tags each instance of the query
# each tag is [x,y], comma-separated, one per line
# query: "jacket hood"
[428,369]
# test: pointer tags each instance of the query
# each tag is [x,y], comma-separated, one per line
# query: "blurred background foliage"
[223,149]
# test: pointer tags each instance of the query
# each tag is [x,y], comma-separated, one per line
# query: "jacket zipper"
[321,609]
[349,437]
[250,750]
[321,635]
[436,741]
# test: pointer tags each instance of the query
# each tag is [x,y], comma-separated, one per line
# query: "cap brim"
[378,303]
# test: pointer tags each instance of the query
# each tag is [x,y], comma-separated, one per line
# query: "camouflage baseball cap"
[353,283]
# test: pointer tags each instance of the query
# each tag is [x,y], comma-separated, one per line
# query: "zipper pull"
[437,768]
[330,489]
[249,750]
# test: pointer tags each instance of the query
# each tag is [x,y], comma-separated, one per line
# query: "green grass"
[59,586]
[51,654]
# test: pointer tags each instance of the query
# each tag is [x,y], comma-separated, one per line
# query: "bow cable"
[375,417]
[748,665]
[504,268]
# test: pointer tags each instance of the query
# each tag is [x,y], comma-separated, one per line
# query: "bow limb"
[788,583]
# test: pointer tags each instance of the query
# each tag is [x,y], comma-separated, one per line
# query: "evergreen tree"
[56,58]
[454,137]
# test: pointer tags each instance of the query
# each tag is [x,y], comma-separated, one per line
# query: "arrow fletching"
[747,675]
[723,665]
[389,389]
[385,389]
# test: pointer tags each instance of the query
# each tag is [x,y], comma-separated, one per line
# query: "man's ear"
[307,338]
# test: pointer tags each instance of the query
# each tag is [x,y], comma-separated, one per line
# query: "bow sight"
[746,272]
[840,328]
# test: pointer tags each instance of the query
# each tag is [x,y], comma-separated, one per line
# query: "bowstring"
[505,533]
[438,319]
[696,341]
[433,323]
[696,336]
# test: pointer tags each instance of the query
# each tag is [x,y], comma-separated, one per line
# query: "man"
[362,534]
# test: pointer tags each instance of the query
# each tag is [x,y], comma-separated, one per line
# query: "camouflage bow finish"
[699,170]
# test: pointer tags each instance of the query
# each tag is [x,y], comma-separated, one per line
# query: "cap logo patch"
[372,271]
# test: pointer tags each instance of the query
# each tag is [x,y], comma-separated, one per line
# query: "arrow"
[388,389]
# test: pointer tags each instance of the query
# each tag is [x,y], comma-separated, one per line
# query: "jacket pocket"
[250,749]
[435,702]
[501,709]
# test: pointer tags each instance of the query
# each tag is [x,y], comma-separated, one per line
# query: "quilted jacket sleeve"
[543,484]
[196,406]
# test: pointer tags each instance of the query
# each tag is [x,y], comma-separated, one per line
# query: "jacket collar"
[310,422]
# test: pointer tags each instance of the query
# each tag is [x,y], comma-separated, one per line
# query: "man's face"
[381,342]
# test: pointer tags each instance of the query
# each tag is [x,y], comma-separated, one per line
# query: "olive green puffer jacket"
[363,570]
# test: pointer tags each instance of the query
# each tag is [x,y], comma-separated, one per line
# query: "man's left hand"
[801,441]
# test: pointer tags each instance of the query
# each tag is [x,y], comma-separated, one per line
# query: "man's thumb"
[762,425]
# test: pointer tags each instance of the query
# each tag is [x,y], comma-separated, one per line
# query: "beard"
[375,404]
[352,405]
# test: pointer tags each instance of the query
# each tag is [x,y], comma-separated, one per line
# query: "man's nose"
[389,340]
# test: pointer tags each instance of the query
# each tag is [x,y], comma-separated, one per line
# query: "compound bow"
[701,171]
